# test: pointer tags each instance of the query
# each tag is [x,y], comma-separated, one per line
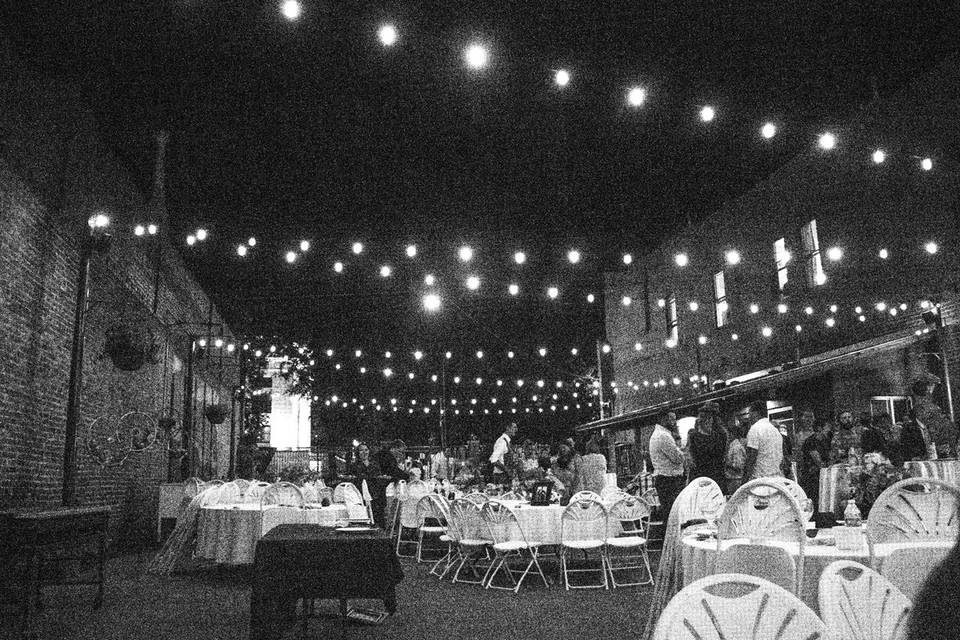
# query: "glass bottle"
[851,515]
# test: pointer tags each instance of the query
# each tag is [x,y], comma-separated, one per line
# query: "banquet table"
[698,558]
[308,561]
[542,524]
[835,480]
[228,533]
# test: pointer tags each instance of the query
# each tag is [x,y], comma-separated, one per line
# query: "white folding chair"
[231,493]
[764,512]
[510,496]
[629,519]
[254,492]
[310,494]
[477,498]
[737,606]
[857,603]
[243,484]
[791,486]
[921,516]
[509,543]
[585,495]
[212,483]
[612,494]
[467,533]
[407,516]
[282,494]
[583,527]
[432,517]
[347,494]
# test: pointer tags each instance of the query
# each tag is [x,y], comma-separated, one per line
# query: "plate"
[355,529]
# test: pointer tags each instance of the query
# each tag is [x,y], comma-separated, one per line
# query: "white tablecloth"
[698,557]
[228,534]
[835,482]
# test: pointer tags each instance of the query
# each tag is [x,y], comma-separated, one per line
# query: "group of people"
[760,448]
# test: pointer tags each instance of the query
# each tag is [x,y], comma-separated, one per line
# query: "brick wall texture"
[860,207]
[54,173]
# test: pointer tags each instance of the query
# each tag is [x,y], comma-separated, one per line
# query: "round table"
[542,524]
[698,559]
[228,533]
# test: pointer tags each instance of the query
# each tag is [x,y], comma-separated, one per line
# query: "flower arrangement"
[869,481]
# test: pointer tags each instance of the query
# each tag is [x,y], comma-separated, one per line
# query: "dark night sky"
[312,129]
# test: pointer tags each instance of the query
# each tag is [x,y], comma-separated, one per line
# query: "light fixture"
[561,77]
[798,328]
[476,56]
[429,280]
[926,164]
[385,271]
[931,247]
[808,311]
[734,336]
[766,332]
[291,257]
[465,253]
[514,289]
[830,322]
[781,308]
[627,258]
[418,355]
[241,250]
[573,256]
[591,298]
[291,9]
[827,141]
[473,283]
[768,130]
[510,354]
[152,229]
[139,230]
[879,156]
[411,251]
[304,245]
[694,305]
[636,96]
[605,348]
[661,303]
[191,240]
[387,35]
[519,257]
[637,346]
[357,248]
[542,351]
[702,340]
[707,113]
[884,254]
[835,254]
[627,301]
[553,292]
[338,267]
[733,257]
[681,259]
[479,357]
[833,308]
[431,302]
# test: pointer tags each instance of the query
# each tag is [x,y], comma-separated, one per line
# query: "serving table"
[296,561]
[228,533]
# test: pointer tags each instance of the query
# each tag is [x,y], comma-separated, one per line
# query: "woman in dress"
[593,468]
[708,445]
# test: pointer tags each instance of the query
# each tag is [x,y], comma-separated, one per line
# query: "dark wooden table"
[303,561]
[32,542]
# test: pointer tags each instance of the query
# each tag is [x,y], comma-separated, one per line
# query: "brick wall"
[860,207]
[54,173]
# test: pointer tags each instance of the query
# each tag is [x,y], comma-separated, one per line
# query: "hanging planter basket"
[129,347]
[216,413]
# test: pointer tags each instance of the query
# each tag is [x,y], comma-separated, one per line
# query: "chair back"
[212,483]
[583,520]
[347,493]
[585,495]
[432,510]
[629,516]
[501,522]
[191,487]
[243,484]
[230,493]
[477,498]
[415,491]
[282,494]
[612,494]
[310,493]
[792,487]
[857,603]
[325,492]
[700,496]
[737,606]
[464,522]
[913,510]
[763,512]
[511,495]
[254,492]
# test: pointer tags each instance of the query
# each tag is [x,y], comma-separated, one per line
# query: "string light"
[473,283]
[338,267]
[152,229]
[553,292]
[681,259]
[476,56]
[626,301]
[291,9]
[562,78]
[926,164]
[754,308]
[768,130]
[733,257]
[139,230]
[304,245]
[827,141]
[627,258]
[513,289]
[290,257]
[636,96]
[931,247]
[252,242]
[519,257]
[835,254]
[466,254]
[387,35]
[694,305]
[879,156]
[431,302]
[573,256]
[591,298]
[605,348]
[766,332]
[385,271]
[191,240]
[707,113]
[429,280]
[241,250]
[883,254]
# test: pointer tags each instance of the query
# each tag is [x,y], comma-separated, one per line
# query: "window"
[811,253]
[897,407]
[782,256]
[673,324]
[721,308]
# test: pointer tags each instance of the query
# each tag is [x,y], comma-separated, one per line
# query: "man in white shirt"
[498,470]
[764,445]
[667,460]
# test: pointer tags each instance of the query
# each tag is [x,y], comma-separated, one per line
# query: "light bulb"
[636,96]
[708,113]
[768,130]
[387,35]
[562,77]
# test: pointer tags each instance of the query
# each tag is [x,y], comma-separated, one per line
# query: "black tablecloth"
[309,561]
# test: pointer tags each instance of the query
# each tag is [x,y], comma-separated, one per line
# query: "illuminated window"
[782,257]
[721,308]
[673,323]
[811,254]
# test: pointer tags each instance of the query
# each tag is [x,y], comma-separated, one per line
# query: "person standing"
[498,466]
[846,437]
[667,460]
[388,459]
[363,468]
[439,462]
[764,445]
[591,474]
[736,458]
[814,456]
[708,445]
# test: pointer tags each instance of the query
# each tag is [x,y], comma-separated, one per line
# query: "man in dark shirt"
[814,454]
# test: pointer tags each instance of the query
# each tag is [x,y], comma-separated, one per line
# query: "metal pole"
[600,375]
[443,404]
[947,387]
[186,468]
[75,385]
